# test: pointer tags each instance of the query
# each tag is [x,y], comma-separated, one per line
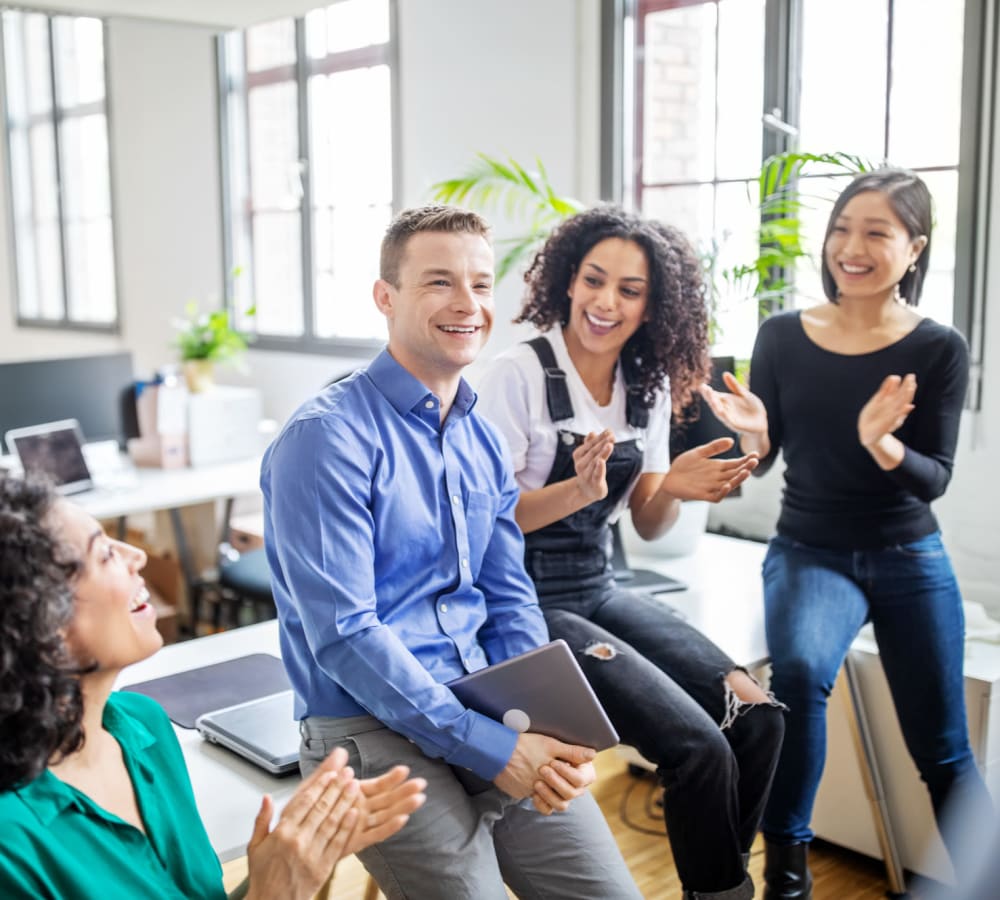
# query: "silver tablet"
[543,690]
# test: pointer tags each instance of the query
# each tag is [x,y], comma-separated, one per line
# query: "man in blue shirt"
[397,566]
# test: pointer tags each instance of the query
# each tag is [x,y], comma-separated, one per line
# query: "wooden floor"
[629,805]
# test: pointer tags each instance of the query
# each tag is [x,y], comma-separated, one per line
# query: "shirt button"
[454,498]
[639,445]
[468,662]
[429,404]
[443,607]
[465,564]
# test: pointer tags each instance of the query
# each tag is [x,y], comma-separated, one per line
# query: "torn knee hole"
[600,650]
[737,705]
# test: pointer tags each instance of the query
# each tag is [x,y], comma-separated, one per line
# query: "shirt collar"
[48,795]
[405,392]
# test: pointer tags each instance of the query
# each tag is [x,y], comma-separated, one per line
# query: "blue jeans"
[816,600]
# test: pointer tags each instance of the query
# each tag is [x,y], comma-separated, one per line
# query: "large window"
[308,149]
[59,174]
[718,85]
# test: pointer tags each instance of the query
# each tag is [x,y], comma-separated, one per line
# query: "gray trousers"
[470,838]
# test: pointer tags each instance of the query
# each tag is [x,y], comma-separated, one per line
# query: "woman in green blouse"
[95,800]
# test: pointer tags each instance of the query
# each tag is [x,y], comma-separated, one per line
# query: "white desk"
[725,598]
[156,489]
[227,789]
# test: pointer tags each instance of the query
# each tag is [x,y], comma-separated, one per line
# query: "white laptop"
[263,731]
[543,690]
[54,449]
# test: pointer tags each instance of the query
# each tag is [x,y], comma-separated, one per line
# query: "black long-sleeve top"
[835,494]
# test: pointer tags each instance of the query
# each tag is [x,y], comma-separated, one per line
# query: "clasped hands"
[330,816]
[549,771]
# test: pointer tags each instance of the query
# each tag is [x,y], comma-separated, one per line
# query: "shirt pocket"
[480,520]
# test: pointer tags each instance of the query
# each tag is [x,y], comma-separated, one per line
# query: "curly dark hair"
[41,704]
[673,342]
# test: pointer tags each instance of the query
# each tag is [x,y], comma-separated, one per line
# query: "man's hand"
[547,770]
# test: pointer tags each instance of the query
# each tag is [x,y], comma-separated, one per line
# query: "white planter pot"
[680,540]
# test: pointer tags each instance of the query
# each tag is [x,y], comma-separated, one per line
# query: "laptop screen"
[53,450]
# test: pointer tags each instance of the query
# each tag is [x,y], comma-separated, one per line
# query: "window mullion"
[782,57]
[976,175]
[57,155]
[308,276]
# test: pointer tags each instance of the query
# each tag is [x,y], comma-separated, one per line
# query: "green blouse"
[56,842]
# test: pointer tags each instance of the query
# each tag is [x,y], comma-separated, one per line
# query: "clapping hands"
[887,410]
[330,816]
[695,475]
[739,410]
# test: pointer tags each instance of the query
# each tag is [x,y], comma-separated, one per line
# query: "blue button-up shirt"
[396,562]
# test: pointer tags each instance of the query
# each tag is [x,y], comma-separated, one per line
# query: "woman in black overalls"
[628,298]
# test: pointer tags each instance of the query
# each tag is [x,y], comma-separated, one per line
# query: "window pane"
[926,98]
[91,270]
[689,208]
[737,221]
[47,273]
[678,95]
[347,241]
[343,168]
[79,46]
[843,93]
[937,299]
[741,88]
[83,146]
[270,45]
[346,25]
[275,175]
[37,73]
[277,271]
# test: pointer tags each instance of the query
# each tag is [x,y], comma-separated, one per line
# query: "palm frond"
[519,193]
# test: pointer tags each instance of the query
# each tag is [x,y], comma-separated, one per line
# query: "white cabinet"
[843,815]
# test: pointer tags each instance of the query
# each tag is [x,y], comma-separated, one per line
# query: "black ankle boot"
[786,872]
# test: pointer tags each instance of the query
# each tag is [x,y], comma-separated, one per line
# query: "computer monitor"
[86,388]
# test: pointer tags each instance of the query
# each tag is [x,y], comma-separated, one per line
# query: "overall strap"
[556,389]
[636,412]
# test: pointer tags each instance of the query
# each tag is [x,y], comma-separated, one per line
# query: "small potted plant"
[207,338]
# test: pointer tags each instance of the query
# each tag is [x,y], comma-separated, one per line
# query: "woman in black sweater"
[863,396]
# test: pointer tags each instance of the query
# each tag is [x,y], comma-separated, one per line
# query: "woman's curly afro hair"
[41,705]
[673,341]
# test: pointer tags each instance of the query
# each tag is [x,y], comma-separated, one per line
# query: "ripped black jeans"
[664,689]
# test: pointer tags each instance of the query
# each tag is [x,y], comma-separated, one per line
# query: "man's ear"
[382,292]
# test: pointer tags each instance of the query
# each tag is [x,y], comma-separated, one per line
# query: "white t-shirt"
[512,396]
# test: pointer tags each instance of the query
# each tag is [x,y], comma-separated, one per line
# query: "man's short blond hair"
[449,219]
